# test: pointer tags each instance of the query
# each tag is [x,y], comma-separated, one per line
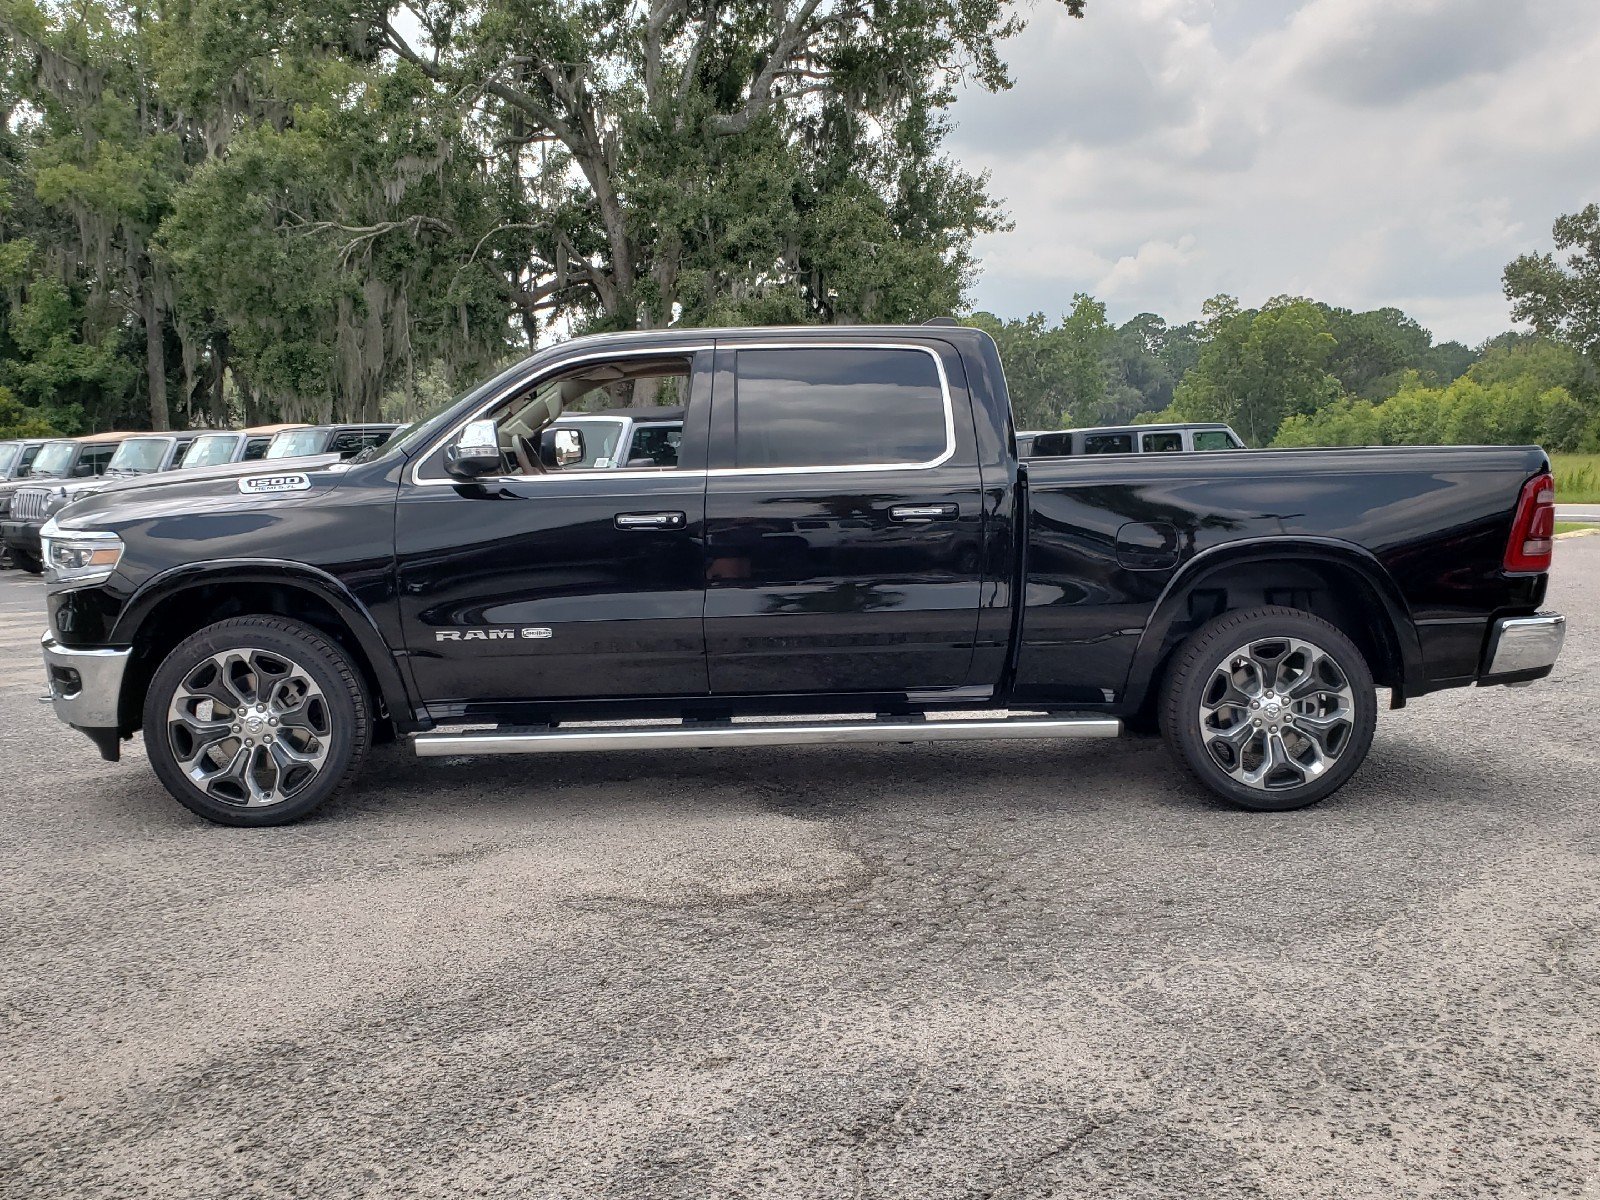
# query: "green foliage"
[17,420]
[1523,393]
[1561,300]
[1257,367]
[1577,478]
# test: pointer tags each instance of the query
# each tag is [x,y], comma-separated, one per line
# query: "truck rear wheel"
[1271,708]
[256,721]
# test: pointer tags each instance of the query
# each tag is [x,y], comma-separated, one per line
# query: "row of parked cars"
[41,476]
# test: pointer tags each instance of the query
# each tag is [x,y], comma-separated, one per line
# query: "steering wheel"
[528,456]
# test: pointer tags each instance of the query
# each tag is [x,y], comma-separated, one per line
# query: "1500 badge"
[531,632]
[260,485]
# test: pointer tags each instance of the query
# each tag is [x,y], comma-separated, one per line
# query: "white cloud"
[1365,152]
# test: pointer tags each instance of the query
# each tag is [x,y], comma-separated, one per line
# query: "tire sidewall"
[320,658]
[1205,650]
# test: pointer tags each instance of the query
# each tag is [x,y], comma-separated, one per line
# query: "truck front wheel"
[256,721]
[1271,708]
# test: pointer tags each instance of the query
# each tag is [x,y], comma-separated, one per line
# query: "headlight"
[79,558]
[5,505]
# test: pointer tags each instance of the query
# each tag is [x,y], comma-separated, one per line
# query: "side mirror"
[562,447]
[475,452]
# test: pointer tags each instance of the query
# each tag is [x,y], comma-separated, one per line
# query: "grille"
[27,504]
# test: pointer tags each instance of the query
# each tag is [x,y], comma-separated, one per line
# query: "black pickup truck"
[845,529]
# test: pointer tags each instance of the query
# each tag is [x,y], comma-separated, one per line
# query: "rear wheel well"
[1339,594]
[183,613]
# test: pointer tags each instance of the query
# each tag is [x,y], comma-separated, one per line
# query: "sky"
[1361,152]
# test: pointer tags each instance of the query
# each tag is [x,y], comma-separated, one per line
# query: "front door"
[844,520]
[550,583]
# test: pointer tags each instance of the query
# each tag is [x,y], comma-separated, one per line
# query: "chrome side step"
[691,736]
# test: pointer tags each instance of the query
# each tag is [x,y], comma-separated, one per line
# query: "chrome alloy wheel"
[249,727]
[1277,713]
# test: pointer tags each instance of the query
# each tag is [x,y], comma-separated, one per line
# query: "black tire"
[1298,752]
[31,563]
[332,720]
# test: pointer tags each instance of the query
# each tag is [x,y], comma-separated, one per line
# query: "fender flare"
[173,581]
[1155,641]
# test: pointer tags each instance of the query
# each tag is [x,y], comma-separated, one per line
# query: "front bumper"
[86,689]
[22,535]
[1522,649]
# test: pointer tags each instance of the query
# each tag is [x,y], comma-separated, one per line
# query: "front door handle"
[918,514]
[651,520]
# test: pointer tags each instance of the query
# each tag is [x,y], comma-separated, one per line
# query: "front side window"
[1108,443]
[575,421]
[139,455]
[839,408]
[296,443]
[1214,439]
[209,450]
[29,453]
[1162,443]
[54,459]
[256,448]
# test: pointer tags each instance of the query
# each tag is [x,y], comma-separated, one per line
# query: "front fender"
[174,581]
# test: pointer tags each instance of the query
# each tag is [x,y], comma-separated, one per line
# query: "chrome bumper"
[1523,647]
[85,685]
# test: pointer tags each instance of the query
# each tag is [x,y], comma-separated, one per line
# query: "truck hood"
[230,487]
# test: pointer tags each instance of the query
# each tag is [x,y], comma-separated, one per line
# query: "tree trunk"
[155,360]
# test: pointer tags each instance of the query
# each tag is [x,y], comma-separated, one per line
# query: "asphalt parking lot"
[971,970]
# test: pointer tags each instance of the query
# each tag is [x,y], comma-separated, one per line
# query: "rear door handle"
[918,514]
[651,520]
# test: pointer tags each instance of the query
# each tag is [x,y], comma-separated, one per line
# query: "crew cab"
[133,456]
[847,529]
[22,502]
[344,440]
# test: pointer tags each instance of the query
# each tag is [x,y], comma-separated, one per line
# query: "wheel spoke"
[1277,713]
[250,727]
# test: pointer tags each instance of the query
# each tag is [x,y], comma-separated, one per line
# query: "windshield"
[8,456]
[139,454]
[293,443]
[54,459]
[210,450]
[600,440]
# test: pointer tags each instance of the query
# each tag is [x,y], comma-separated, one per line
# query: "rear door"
[843,519]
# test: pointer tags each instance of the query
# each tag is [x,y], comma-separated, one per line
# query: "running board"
[692,736]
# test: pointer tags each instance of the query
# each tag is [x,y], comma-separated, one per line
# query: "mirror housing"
[561,447]
[475,451]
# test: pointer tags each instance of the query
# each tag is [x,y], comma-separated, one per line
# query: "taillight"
[1534,527]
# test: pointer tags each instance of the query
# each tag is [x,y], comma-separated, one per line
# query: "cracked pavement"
[997,970]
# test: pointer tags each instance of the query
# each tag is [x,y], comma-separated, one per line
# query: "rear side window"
[838,408]
[1214,439]
[1108,443]
[1162,443]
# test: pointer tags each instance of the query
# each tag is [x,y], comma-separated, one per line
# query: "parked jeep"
[231,446]
[346,441]
[1128,439]
[31,506]
[22,501]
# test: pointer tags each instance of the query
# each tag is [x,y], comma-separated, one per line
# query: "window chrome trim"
[613,474]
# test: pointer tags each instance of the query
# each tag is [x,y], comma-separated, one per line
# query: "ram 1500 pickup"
[845,528]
